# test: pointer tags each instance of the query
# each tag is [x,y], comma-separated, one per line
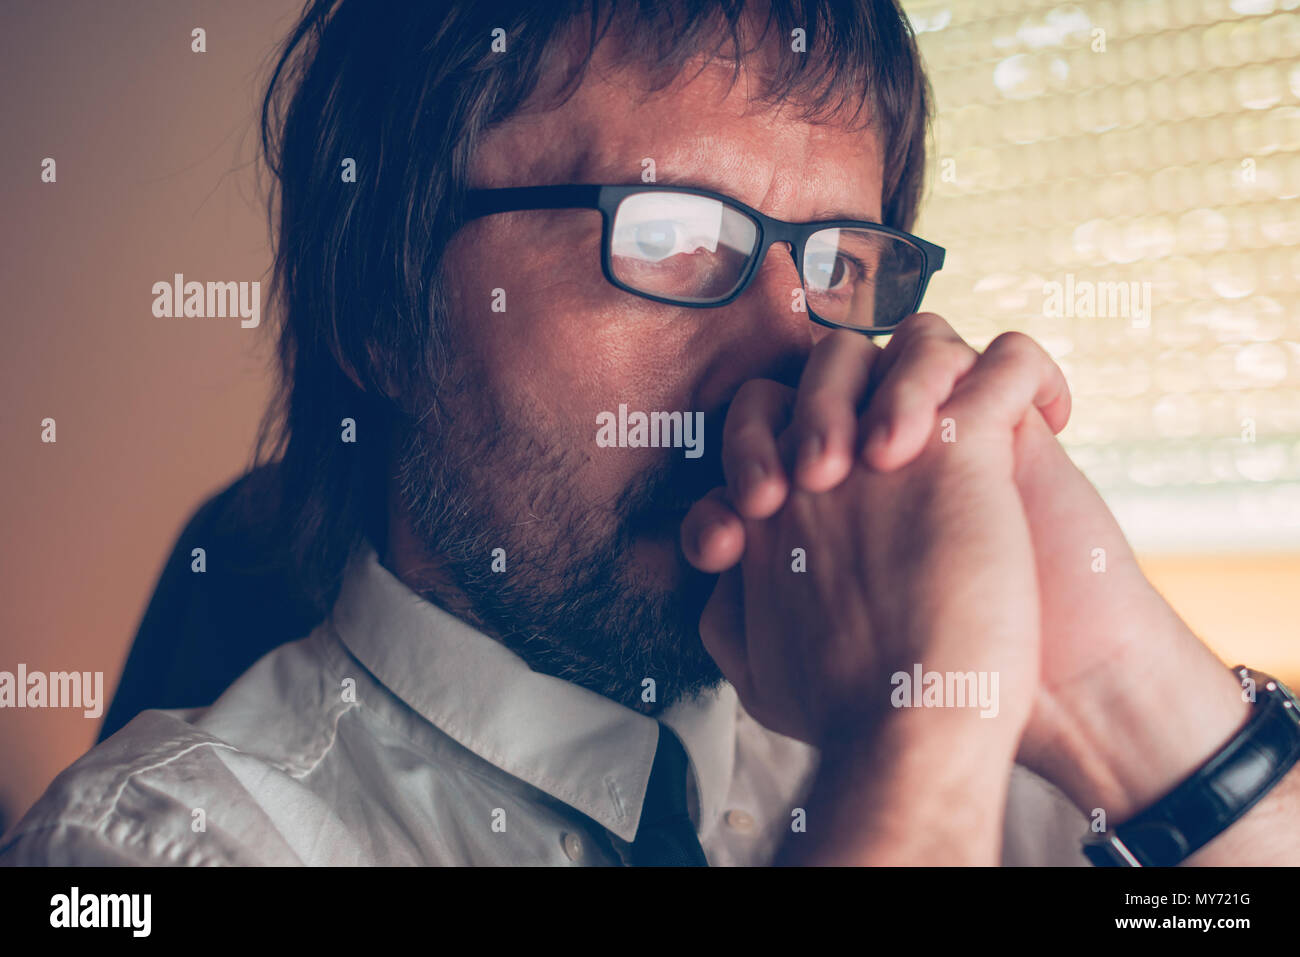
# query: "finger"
[919,323]
[1013,375]
[926,363]
[713,535]
[1052,397]
[722,630]
[756,481]
[824,430]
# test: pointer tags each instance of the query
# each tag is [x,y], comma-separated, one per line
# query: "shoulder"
[141,797]
[207,786]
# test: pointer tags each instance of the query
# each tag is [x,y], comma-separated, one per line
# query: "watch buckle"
[1118,849]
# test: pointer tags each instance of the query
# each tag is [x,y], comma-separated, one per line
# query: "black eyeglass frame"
[606,199]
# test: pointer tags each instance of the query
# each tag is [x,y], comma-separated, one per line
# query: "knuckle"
[1016,346]
[901,393]
[929,380]
[952,355]
[925,322]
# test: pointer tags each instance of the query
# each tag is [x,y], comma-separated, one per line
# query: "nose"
[764,334]
[777,295]
[780,272]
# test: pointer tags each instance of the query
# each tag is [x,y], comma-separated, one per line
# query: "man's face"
[594,587]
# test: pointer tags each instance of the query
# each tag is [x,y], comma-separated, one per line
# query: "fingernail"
[751,478]
[810,450]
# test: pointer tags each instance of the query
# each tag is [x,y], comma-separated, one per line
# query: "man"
[601,460]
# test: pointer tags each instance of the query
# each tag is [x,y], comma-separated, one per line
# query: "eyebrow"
[821,214]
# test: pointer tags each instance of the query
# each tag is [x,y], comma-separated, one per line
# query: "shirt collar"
[575,745]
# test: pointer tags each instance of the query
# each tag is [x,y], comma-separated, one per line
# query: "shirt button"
[739,820]
[572,846]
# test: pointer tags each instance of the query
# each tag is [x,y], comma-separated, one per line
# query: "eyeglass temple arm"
[485,202]
[933,254]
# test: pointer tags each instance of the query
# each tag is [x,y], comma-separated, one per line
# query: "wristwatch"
[1219,792]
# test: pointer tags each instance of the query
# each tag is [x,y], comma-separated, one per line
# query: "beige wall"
[152,144]
[1246,607]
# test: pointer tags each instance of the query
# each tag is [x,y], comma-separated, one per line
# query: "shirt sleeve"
[70,845]
[159,793]
[1042,828]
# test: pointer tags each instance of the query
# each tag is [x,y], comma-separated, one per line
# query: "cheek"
[569,346]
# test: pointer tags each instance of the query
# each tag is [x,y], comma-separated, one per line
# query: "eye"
[827,269]
[655,240]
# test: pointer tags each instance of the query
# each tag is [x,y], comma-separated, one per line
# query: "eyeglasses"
[697,248]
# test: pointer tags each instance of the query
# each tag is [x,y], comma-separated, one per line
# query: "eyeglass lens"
[697,249]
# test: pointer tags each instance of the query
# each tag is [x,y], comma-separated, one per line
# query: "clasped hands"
[910,506]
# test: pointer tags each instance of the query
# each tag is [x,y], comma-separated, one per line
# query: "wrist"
[1209,817]
[1143,728]
[919,787]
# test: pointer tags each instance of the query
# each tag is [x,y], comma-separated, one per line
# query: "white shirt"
[395,733]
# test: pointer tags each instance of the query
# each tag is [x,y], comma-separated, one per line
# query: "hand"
[1129,701]
[928,564]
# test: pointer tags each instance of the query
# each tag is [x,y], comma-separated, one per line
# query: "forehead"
[703,130]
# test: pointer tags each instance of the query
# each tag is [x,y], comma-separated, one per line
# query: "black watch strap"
[1219,792]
